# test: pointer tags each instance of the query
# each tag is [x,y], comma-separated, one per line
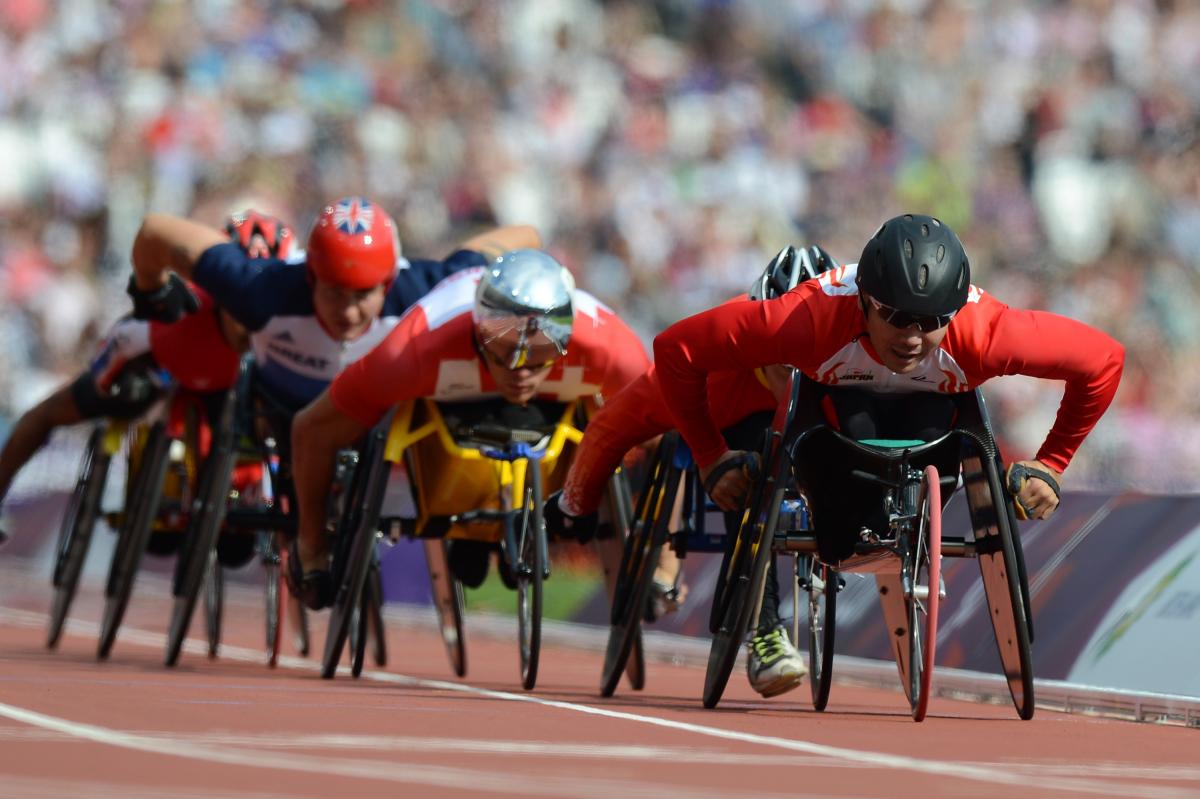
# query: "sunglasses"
[521,356]
[926,323]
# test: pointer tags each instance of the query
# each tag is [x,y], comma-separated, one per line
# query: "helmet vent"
[908,248]
[925,230]
[923,276]
[941,252]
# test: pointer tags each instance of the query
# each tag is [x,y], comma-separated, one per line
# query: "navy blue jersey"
[296,357]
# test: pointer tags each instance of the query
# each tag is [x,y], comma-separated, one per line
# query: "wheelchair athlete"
[200,352]
[904,320]
[743,403]
[517,329]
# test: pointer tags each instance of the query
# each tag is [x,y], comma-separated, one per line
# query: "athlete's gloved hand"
[168,303]
[727,480]
[1035,489]
[260,235]
[562,525]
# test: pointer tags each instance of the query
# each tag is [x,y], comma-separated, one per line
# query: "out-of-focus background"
[664,149]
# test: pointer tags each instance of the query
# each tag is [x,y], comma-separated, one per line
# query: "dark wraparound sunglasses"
[926,323]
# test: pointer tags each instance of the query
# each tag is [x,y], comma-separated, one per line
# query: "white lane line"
[997,774]
[52,788]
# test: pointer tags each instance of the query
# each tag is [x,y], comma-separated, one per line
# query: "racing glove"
[562,525]
[168,303]
[1015,479]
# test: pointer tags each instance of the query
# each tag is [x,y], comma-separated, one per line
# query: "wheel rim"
[923,606]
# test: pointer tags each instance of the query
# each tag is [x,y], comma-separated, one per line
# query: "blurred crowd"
[664,149]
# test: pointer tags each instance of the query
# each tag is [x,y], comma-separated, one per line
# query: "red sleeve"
[1053,347]
[737,335]
[634,415]
[627,357]
[394,371]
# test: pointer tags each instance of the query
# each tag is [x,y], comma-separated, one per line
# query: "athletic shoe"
[774,666]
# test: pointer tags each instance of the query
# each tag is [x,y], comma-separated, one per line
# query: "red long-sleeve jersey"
[819,328]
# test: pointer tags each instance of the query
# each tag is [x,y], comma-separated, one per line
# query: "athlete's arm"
[497,241]
[318,432]
[165,244]
[736,335]
[1053,347]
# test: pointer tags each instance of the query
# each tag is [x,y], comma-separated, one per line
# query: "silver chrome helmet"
[790,267]
[524,309]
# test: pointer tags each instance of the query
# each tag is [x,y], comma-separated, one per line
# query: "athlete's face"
[347,313]
[900,348]
[517,386]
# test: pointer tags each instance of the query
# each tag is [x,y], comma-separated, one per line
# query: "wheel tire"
[822,628]
[214,600]
[134,535]
[529,573]
[923,617]
[75,532]
[639,557]
[354,549]
[744,579]
[376,628]
[204,527]
[449,601]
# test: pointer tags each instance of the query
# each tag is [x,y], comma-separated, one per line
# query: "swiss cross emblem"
[353,216]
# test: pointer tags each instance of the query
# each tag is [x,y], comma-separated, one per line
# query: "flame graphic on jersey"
[829,377]
[951,385]
[839,281]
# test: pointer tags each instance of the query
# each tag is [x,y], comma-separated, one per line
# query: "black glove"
[562,525]
[170,303]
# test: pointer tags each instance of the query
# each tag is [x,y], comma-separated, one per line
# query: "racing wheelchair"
[478,471]
[910,481]
[256,428]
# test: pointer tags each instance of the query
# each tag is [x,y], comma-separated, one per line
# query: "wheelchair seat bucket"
[499,423]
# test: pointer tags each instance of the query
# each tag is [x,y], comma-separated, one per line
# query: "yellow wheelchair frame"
[474,483]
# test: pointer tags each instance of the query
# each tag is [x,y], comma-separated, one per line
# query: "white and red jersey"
[819,328]
[192,350]
[431,354]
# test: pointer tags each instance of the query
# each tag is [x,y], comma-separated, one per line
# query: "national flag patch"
[353,215]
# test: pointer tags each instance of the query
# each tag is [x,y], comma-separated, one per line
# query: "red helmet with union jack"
[353,244]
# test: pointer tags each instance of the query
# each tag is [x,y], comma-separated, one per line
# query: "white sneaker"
[774,666]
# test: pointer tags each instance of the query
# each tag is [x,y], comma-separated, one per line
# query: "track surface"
[231,727]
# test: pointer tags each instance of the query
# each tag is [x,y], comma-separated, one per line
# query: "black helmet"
[788,268]
[915,264]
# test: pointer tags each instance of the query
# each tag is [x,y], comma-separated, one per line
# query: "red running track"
[233,729]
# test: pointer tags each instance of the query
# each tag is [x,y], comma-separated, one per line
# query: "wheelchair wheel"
[134,534]
[639,558]
[359,633]
[276,596]
[745,577]
[214,599]
[923,600]
[354,549]
[823,584]
[375,627]
[529,572]
[1007,594]
[75,533]
[205,518]
[449,601]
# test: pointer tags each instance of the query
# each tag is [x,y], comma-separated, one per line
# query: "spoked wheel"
[134,535]
[529,572]
[75,533]
[205,518]
[744,577]
[214,600]
[639,559]
[354,549]
[448,599]
[922,601]
[823,584]
[276,596]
